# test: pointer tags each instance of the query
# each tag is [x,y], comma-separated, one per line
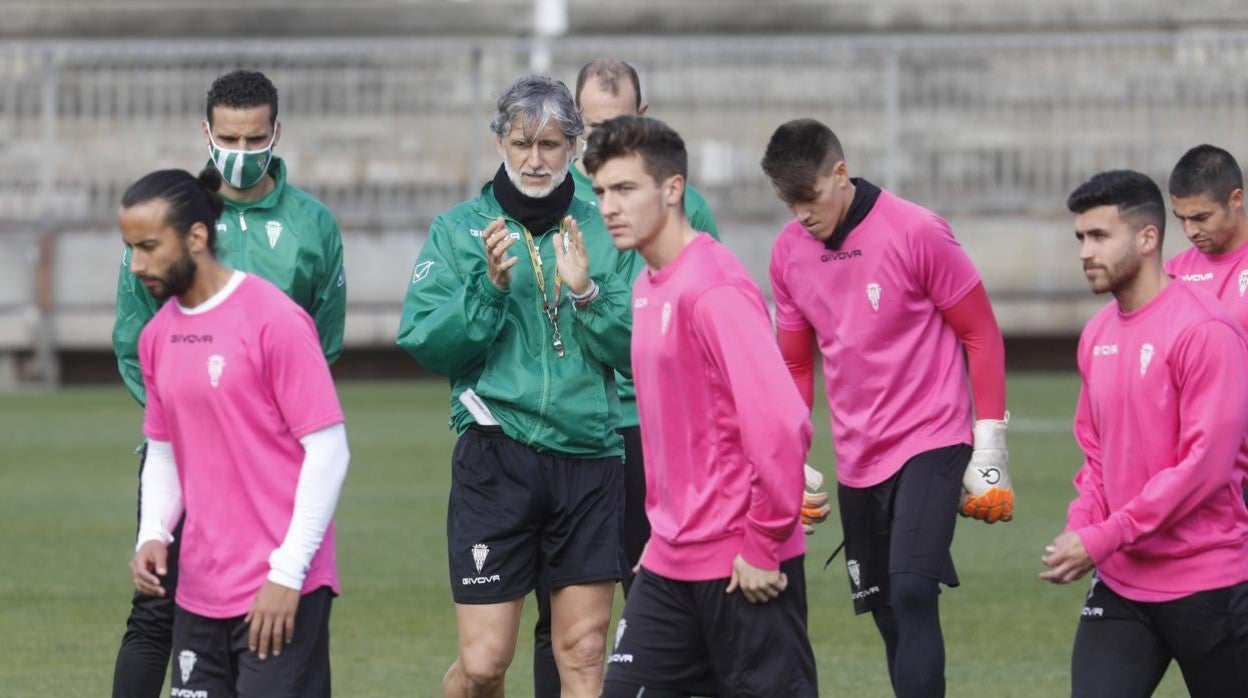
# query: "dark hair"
[243,89]
[191,199]
[608,72]
[1136,195]
[799,152]
[1207,170]
[661,149]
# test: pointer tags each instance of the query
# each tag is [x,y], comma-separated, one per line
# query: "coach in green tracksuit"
[501,343]
[519,297]
[269,228]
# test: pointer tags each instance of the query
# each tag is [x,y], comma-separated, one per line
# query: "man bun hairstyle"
[191,199]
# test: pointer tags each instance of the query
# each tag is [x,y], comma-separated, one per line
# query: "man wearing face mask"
[519,298]
[269,228]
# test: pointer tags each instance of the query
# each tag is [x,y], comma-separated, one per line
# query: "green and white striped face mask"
[241,169]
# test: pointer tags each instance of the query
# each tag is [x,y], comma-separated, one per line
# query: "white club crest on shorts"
[1243,282]
[1146,357]
[873,295]
[855,574]
[619,632]
[216,366]
[479,553]
[667,316]
[274,230]
[186,662]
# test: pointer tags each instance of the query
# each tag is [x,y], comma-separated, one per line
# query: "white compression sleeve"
[316,496]
[160,504]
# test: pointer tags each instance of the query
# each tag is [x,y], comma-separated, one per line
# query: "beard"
[517,179]
[1118,275]
[177,280]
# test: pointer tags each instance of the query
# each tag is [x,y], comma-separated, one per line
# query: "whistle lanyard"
[552,313]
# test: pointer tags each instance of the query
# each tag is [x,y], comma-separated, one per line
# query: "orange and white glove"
[987,493]
[815,507]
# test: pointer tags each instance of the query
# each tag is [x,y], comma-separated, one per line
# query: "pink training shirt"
[896,380]
[234,385]
[723,429]
[1223,275]
[1161,420]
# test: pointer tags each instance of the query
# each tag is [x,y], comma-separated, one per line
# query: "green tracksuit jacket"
[288,237]
[457,323]
[699,214]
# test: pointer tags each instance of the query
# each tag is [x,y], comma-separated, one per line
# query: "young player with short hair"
[1161,419]
[718,607]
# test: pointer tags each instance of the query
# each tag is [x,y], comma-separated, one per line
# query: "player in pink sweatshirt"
[718,607]
[1207,196]
[1161,419]
[882,287]
[246,434]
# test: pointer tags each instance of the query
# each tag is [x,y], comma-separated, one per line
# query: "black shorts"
[904,524]
[691,638]
[211,659]
[517,517]
[1123,647]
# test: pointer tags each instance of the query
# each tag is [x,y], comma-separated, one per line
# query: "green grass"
[67,488]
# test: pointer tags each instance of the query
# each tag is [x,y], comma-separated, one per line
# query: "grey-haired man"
[530,341]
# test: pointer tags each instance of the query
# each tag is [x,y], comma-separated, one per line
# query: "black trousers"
[143,658]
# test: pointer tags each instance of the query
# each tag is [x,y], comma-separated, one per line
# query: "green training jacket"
[288,238]
[699,214]
[499,343]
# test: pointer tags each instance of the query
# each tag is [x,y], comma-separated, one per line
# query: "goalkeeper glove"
[815,507]
[988,494]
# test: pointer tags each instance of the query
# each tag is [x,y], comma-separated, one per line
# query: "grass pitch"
[67,521]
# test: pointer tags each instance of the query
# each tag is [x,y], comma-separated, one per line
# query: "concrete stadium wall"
[303,18]
[1028,265]
[991,131]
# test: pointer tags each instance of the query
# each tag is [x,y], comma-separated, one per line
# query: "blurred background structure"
[987,111]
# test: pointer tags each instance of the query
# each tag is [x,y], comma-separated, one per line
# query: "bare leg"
[487,643]
[579,618]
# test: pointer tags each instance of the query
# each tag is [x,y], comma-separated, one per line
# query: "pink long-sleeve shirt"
[1161,419]
[1223,275]
[896,379]
[723,428]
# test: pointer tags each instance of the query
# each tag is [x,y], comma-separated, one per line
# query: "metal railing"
[389,132]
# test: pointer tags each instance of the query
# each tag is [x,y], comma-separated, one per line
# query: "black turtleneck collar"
[865,194]
[538,215]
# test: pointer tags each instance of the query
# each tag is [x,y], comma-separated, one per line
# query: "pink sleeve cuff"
[759,550]
[1098,540]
